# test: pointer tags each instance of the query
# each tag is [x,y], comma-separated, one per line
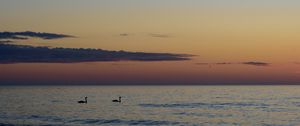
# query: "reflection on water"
[150,105]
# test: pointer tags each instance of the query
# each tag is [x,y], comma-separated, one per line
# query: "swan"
[83,101]
[117,100]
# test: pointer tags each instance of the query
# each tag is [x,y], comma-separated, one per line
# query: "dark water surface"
[150,105]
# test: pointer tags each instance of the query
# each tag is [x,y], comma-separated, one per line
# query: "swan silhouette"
[85,101]
[117,100]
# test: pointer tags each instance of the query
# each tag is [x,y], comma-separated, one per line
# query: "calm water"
[151,105]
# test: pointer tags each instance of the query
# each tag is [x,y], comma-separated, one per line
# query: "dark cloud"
[27,34]
[218,63]
[29,54]
[256,63]
[245,63]
[223,63]
[159,35]
[124,34]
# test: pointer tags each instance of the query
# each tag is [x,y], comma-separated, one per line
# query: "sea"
[150,106]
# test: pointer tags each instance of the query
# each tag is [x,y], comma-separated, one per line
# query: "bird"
[117,100]
[85,101]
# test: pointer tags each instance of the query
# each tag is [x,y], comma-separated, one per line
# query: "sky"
[227,42]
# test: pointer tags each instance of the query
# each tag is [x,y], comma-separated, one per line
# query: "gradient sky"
[217,31]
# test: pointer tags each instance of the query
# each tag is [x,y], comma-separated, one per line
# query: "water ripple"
[124,122]
[97,122]
[209,115]
[206,105]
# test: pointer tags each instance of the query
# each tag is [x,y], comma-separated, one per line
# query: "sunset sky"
[232,41]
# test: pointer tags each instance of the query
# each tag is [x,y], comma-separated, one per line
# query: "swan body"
[85,101]
[117,100]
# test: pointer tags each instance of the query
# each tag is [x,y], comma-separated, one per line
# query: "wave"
[207,105]
[209,115]
[53,121]
[45,118]
[124,122]
[7,124]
